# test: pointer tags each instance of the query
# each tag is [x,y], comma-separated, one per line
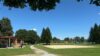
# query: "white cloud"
[34,29]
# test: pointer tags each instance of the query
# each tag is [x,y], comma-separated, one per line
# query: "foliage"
[82,39]
[38,4]
[67,39]
[33,4]
[56,40]
[5,27]
[94,36]
[32,37]
[95,2]
[28,36]
[46,36]
[21,34]
[77,39]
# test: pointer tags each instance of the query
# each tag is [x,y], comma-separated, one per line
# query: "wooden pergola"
[9,38]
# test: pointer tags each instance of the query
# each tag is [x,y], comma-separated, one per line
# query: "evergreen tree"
[0,28]
[90,39]
[94,36]
[95,33]
[46,36]
[43,36]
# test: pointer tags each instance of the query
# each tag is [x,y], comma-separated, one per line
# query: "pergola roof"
[7,37]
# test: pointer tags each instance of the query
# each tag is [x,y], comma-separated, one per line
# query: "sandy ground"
[38,52]
[67,46]
[27,55]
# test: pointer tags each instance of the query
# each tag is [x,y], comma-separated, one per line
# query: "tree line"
[28,36]
[31,36]
[76,40]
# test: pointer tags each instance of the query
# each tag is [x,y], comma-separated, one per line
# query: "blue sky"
[69,19]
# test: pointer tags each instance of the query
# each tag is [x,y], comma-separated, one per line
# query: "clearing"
[93,50]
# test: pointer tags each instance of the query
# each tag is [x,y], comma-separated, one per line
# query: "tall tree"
[0,28]
[90,39]
[94,36]
[43,36]
[46,36]
[6,28]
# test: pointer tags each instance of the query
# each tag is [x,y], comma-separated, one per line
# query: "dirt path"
[40,52]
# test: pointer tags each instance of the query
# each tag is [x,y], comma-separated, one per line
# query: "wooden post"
[9,43]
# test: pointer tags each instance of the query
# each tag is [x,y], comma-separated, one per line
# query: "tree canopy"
[21,34]
[33,4]
[5,27]
[95,2]
[28,36]
[38,4]
[32,37]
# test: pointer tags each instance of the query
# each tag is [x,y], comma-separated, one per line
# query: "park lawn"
[73,52]
[14,52]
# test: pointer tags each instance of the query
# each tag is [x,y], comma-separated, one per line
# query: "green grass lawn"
[73,52]
[13,52]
